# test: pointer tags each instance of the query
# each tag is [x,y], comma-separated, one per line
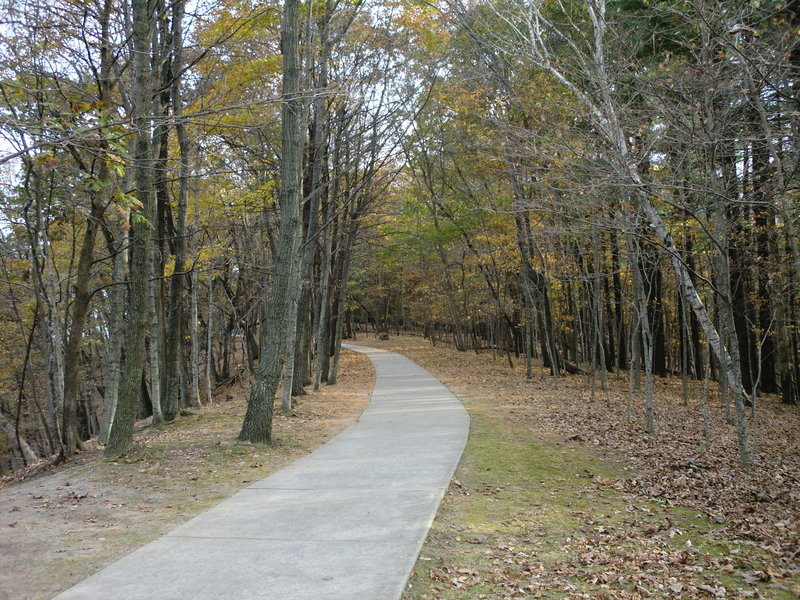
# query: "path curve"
[345,522]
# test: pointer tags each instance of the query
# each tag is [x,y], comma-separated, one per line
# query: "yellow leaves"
[423,27]
[207,255]
[241,71]
[236,21]
[255,198]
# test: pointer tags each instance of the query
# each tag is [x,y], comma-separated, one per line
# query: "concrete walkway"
[343,523]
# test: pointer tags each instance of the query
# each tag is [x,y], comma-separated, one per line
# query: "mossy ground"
[533,516]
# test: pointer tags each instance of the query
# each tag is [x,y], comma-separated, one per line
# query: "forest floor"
[61,525]
[559,496]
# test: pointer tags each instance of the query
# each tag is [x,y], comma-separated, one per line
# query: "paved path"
[343,523]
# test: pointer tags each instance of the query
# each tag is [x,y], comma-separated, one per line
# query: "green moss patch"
[533,516]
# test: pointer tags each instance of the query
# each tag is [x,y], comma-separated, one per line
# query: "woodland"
[196,192]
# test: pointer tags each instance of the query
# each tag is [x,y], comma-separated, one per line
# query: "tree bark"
[115,335]
[339,305]
[194,317]
[154,335]
[174,346]
[257,425]
[121,435]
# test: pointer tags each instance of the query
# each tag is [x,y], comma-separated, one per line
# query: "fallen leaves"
[458,578]
[677,466]
[746,547]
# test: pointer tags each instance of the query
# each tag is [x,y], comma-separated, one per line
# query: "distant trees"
[642,154]
[141,202]
[598,186]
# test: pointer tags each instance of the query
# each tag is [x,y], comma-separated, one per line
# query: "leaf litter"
[694,524]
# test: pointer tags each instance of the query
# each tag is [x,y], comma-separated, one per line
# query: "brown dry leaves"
[618,562]
[677,466]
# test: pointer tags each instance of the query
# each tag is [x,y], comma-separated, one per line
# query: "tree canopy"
[595,187]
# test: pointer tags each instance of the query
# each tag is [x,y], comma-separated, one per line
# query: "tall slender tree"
[142,87]
[257,425]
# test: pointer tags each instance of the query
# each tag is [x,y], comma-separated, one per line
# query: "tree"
[582,68]
[121,435]
[257,425]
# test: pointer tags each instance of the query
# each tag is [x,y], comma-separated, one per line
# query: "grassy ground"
[533,513]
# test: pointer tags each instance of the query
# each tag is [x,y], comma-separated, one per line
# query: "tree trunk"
[116,332]
[121,435]
[291,351]
[640,297]
[46,293]
[12,435]
[622,349]
[154,333]
[652,284]
[257,425]
[80,309]
[322,355]
[598,314]
[339,305]
[174,346]
[210,338]
[538,285]
[194,317]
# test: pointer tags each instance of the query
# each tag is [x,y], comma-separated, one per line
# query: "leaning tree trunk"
[257,425]
[80,310]
[12,433]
